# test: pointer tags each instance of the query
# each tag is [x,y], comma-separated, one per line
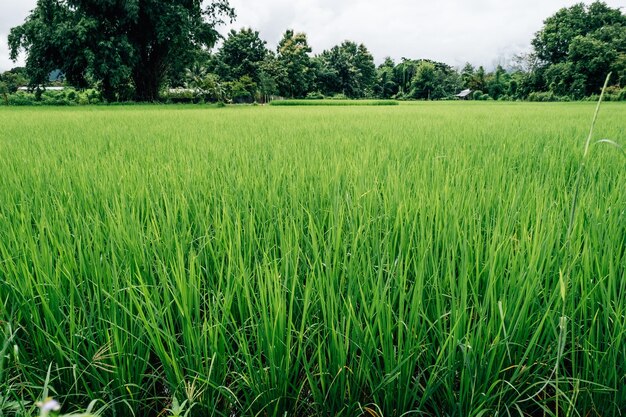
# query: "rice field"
[382,261]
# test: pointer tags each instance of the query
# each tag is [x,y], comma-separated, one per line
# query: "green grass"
[333,102]
[263,261]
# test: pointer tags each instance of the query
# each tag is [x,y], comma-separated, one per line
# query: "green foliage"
[298,71]
[267,86]
[241,54]
[242,90]
[474,79]
[99,43]
[579,45]
[204,86]
[346,69]
[67,97]
[13,79]
[497,83]
[424,83]
[315,95]
[553,41]
[546,96]
[385,87]
[123,48]
[434,81]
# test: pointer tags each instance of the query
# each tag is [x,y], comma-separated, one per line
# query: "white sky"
[483,32]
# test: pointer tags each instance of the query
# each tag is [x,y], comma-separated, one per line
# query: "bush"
[66,97]
[546,96]
[22,99]
[56,98]
[315,95]
[614,93]
[179,95]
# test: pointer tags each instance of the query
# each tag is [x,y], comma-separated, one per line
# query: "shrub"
[22,98]
[315,95]
[546,96]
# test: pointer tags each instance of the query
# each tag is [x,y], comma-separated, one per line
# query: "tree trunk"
[146,85]
[148,74]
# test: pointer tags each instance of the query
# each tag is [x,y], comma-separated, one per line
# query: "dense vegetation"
[571,56]
[343,261]
[126,47]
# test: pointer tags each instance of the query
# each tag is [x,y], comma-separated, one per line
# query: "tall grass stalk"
[271,261]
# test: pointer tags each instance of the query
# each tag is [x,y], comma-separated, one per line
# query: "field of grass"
[334,102]
[309,261]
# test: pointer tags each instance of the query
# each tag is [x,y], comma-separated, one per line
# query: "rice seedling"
[333,102]
[343,261]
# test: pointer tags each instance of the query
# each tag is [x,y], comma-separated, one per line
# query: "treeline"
[571,56]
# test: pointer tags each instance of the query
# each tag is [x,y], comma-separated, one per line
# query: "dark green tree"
[385,86]
[13,79]
[243,90]
[434,81]
[346,69]
[552,42]
[403,74]
[241,54]
[425,81]
[578,46]
[497,82]
[467,75]
[298,72]
[126,47]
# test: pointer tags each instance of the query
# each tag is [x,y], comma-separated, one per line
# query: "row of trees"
[134,49]
[248,70]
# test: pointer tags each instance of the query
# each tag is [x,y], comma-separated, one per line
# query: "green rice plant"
[333,102]
[272,261]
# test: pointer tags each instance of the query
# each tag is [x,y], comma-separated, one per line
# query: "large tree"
[434,80]
[293,57]
[579,45]
[241,54]
[385,86]
[347,69]
[126,47]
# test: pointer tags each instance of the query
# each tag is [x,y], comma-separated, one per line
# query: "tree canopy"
[125,46]
[298,70]
[578,46]
[132,49]
[347,69]
[241,54]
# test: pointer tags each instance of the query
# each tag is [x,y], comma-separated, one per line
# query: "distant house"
[464,94]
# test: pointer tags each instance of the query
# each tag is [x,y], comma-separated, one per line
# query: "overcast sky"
[483,32]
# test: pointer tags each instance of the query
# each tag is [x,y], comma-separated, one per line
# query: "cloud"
[12,13]
[483,32]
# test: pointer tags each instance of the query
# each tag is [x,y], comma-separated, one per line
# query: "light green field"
[393,261]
